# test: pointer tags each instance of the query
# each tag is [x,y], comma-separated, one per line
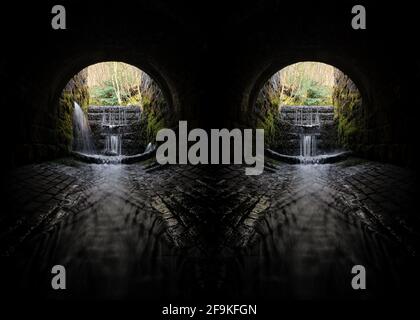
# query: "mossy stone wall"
[267,117]
[76,90]
[349,112]
[367,128]
[156,115]
[280,133]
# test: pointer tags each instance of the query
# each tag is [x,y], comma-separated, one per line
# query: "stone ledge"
[99,159]
[332,158]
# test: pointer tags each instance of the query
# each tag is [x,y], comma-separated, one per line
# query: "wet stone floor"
[152,232]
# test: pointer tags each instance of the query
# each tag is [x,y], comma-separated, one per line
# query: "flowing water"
[113,144]
[81,132]
[306,118]
[308,146]
[113,119]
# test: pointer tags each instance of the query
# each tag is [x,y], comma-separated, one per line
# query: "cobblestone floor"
[143,231]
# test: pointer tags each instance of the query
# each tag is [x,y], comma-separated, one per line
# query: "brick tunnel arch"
[112,108]
[343,65]
[67,72]
[309,109]
[383,132]
[42,128]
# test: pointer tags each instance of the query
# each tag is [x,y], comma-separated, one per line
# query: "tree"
[114,83]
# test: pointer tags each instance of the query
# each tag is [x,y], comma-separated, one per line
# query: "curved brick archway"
[379,111]
[137,125]
[338,124]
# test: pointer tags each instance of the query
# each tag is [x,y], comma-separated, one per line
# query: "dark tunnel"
[161,232]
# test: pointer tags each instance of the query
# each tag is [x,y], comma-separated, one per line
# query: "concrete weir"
[321,159]
[316,122]
[101,159]
[309,134]
[115,129]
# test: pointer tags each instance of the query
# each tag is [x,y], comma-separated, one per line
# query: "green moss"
[64,125]
[267,120]
[75,91]
[275,101]
[154,124]
[154,118]
[348,132]
[348,113]
[269,128]
[65,131]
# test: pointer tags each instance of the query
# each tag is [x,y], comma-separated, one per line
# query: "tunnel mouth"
[111,112]
[305,109]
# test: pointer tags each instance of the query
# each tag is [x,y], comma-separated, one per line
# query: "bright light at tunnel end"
[219,139]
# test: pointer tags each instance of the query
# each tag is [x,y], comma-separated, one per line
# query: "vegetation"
[113,84]
[75,91]
[303,83]
[155,113]
[308,83]
[116,83]
[348,111]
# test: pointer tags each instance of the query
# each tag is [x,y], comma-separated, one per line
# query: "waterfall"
[305,117]
[308,146]
[150,147]
[81,132]
[309,134]
[113,144]
[112,119]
